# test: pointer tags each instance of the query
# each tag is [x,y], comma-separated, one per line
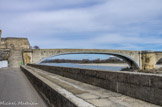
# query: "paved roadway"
[17,91]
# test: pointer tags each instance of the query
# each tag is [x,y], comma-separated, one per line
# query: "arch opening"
[159,63]
[132,64]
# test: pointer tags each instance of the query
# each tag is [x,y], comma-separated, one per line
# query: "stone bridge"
[135,59]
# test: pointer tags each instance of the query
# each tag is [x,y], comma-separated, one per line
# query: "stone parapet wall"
[49,91]
[144,86]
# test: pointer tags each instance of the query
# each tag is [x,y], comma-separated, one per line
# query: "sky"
[89,24]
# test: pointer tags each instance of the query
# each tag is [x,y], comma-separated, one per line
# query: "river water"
[97,67]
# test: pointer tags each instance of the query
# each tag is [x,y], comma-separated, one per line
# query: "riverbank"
[116,64]
[108,64]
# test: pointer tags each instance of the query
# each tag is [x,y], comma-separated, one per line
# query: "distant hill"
[110,60]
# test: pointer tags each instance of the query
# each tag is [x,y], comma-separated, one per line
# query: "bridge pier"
[148,60]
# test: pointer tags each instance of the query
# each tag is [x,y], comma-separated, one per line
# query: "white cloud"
[121,22]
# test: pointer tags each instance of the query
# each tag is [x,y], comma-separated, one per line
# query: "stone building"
[14,43]
[11,50]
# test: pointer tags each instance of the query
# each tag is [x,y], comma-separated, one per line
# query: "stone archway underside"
[131,57]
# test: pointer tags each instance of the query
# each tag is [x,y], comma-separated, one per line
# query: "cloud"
[126,24]
[37,5]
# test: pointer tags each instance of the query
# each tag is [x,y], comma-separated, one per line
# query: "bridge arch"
[158,57]
[131,62]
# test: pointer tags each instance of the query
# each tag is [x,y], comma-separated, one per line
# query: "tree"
[36,47]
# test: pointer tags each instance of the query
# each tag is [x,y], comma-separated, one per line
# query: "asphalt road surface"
[17,91]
